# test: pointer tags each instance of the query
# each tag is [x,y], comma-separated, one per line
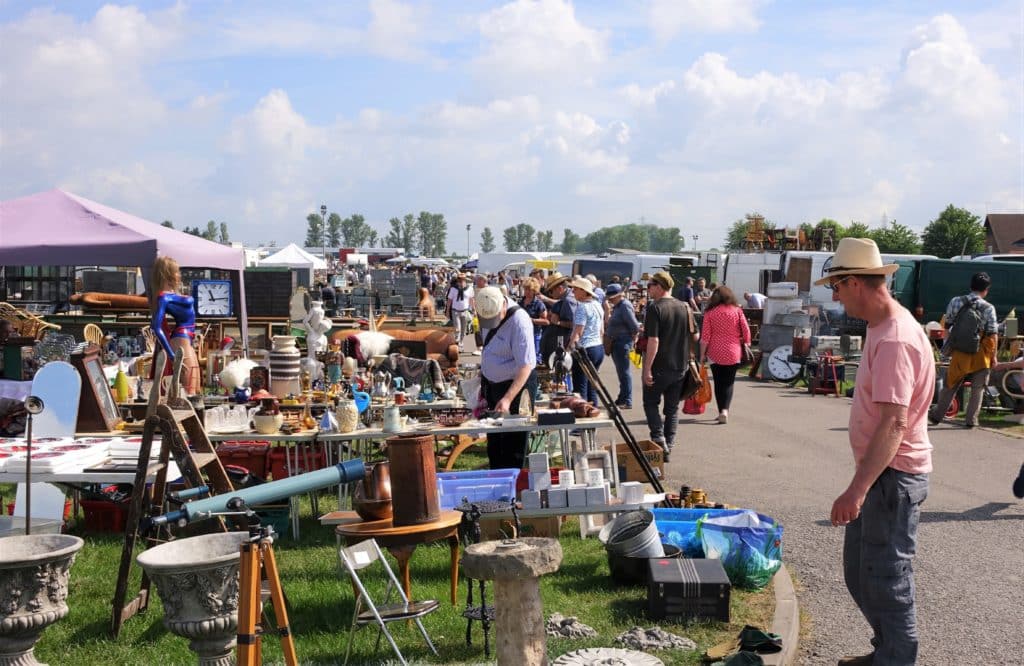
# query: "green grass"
[320,603]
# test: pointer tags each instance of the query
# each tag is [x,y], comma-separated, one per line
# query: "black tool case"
[685,589]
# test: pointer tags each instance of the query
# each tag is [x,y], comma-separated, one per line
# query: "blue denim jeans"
[620,357]
[877,554]
[579,380]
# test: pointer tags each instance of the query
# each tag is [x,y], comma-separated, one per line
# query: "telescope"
[346,472]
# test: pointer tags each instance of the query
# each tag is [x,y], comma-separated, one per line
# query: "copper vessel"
[415,475]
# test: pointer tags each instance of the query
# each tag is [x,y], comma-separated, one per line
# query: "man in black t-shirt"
[670,335]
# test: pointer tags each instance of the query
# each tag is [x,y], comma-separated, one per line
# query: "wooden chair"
[93,334]
[25,323]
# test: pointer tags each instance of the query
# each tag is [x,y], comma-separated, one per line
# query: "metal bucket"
[633,534]
[626,570]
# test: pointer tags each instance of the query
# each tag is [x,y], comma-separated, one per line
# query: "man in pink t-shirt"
[889,437]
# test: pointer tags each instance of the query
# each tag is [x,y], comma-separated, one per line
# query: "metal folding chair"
[360,556]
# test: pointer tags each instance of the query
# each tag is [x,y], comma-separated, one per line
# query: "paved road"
[787,455]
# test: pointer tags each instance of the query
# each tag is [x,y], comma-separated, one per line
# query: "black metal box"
[684,589]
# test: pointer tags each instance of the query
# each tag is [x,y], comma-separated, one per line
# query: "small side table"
[402,541]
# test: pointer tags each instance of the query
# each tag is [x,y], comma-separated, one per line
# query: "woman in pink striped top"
[723,334]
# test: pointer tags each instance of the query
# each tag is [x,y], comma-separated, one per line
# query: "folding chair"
[358,557]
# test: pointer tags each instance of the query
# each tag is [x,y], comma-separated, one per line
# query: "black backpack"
[965,334]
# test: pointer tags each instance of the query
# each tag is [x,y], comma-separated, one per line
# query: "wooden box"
[629,466]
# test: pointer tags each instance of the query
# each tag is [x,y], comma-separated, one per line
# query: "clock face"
[213,298]
[779,367]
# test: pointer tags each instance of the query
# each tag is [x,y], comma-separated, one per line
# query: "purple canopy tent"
[57,228]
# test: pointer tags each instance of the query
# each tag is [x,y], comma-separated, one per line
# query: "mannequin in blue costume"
[174,321]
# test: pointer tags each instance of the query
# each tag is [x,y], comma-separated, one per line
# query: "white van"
[804,267]
[750,271]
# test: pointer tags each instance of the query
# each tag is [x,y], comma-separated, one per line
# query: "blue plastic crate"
[679,527]
[477,485]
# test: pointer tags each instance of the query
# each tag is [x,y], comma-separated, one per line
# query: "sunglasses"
[832,285]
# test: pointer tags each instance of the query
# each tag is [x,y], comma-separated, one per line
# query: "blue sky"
[684,113]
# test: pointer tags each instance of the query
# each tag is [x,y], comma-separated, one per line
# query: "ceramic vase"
[284,366]
[34,573]
[197,580]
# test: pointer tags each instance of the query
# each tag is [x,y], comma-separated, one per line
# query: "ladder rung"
[182,415]
[204,459]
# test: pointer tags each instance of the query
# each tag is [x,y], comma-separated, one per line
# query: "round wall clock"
[779,366]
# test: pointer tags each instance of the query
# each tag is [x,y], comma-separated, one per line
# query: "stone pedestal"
[515,566]
[33,591]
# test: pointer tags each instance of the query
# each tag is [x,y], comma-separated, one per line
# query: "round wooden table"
[402,541]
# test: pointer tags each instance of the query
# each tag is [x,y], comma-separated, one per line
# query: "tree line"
[218,233]
[954,231]
[424,234]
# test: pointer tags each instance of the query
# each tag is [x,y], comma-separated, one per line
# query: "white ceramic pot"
[267,424]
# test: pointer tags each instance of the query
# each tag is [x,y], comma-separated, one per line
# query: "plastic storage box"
[479,485]
[250,455]
[679,527]
[104,516]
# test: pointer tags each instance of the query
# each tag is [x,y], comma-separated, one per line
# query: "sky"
[563,115]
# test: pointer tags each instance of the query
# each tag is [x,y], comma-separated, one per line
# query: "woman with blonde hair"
[724,332]
[174,321]
[588,327]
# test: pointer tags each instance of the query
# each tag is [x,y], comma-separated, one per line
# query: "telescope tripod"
[258,564]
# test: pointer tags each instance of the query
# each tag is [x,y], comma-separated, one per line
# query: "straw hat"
[856,256]
[555,280]
[584,284]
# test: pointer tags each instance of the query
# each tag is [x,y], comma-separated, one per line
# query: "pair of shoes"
[476,352]
[623,405]
[862,660]
[723,418]
[932,420]
[970,425]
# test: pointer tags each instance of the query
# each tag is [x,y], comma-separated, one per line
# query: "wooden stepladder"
[182,436]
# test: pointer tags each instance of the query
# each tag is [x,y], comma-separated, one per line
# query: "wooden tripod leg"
[249,605]
[280,610]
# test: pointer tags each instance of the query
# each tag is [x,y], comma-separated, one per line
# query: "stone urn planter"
[33,591]
[197,580]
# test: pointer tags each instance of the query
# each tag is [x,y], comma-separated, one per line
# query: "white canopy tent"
[294,257]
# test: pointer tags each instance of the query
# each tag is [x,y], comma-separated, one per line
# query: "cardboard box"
[629,467]
[540,480]
[577,495]
[538,462]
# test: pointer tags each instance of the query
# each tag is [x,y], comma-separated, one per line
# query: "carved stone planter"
[33,591]
[197,579]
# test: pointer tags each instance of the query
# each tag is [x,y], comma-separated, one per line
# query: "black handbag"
[692,381]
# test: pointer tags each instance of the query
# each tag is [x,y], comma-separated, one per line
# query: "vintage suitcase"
[684,589]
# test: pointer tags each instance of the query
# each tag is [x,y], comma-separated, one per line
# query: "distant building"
[1004,233]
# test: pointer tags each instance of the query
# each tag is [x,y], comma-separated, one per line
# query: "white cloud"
[941,67]
[533,43]
[669,18]
[638,96]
